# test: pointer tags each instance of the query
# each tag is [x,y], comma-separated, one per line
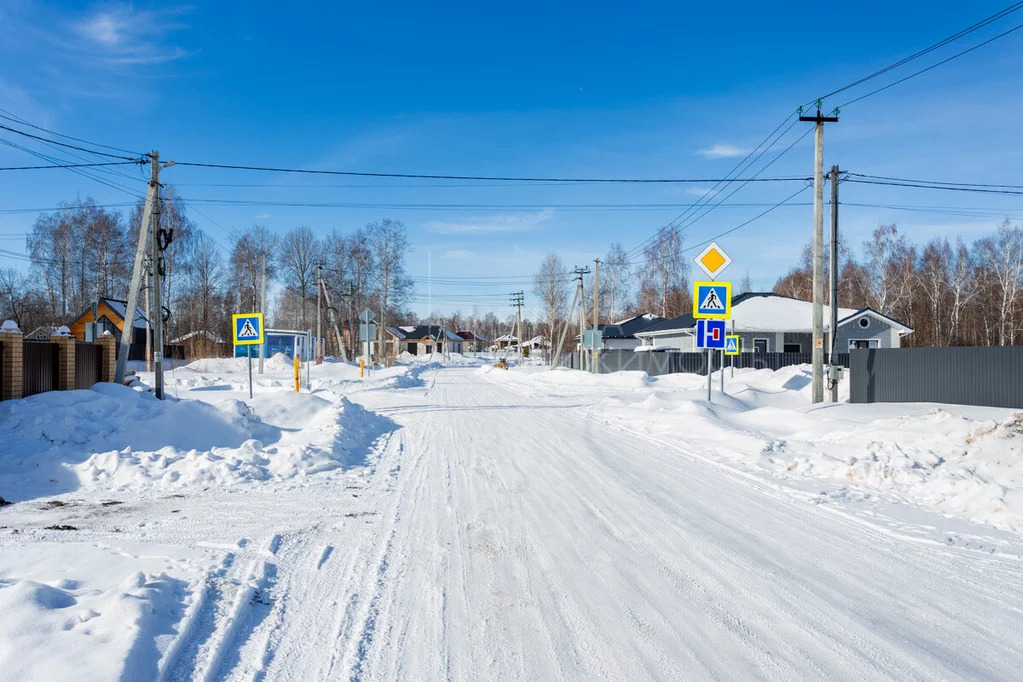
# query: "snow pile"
[961,461]
[113,436]
[279,362]
[71,624]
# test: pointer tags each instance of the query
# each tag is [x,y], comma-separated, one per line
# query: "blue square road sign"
[710,334]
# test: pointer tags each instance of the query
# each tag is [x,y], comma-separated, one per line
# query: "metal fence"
[656,363]
[969,375]
[40,365]
[88,364]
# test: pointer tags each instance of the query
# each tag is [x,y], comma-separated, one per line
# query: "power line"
[927,50]
[424,176]
[932,182]
[11,116]
[948,188]
[69,165]
[64,144]
[932,66]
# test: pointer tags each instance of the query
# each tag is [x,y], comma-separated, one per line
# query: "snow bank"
[966,462]
[92,635]
[113,436]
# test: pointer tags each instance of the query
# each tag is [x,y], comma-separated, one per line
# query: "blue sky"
[593,90]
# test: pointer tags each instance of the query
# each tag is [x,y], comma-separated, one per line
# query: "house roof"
[768,312]
[198,332]
[118,307]
[470,335]
[626,329]
[423,331]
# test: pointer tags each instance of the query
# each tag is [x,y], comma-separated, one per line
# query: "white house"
[770,323]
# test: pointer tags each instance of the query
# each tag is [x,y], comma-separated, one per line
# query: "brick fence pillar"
[109,356]
[66,354]
[10,336]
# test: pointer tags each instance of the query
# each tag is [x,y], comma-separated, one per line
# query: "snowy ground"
[464,522]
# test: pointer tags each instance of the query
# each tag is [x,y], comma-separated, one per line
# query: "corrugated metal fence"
[40,364]
[88,364]
[974,375]
[657,363]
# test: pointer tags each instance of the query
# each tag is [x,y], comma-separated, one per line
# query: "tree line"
[951,294]
[82,251]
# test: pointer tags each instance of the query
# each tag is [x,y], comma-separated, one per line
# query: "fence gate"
[88,359]
[40,366]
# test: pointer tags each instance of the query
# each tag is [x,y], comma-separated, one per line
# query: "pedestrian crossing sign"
[732,344]
[712,300]
[248,329]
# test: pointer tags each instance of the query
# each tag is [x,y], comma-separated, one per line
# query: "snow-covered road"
[501,535]
[521,541]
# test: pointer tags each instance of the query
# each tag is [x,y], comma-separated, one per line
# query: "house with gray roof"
[423,339]
[771,323]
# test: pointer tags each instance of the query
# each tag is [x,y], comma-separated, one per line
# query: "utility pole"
[149,315]
[157,255]
[564,332]
[319,298]
[136,283]
[596,311]
[517,300]
[262,308]
[579,272]
[818,249]
[833,322]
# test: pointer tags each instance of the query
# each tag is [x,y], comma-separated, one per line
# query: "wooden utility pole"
[564,331]
[818,250]
[833,322]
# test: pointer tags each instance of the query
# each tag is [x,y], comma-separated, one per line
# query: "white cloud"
[698,191]
[262,216]
[493,224]
[723,151]
[458,254]
[118,33]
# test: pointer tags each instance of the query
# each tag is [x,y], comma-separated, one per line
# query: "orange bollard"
[298,364]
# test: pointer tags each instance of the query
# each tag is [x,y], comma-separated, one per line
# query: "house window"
[412,348]
[793,348]
[862,343]
[759,345]
[864,322]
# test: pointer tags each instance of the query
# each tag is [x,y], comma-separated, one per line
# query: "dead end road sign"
[710,334]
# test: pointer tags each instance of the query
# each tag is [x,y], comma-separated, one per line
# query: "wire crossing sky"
[499,135]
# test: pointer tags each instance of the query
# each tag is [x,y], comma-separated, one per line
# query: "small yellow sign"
[713,260]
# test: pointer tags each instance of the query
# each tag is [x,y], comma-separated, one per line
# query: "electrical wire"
[947,188]
[931,182]
[69,165]
[11,116]
[424,176]
[927,50]
[64,144]
[932,66]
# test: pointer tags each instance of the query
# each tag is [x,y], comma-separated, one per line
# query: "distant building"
[473,341]
[423,339]
[771,323]
[108,314]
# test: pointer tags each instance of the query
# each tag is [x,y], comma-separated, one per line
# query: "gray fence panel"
[988,376]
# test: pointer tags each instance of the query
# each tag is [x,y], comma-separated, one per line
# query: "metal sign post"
[710,334]
[247,329]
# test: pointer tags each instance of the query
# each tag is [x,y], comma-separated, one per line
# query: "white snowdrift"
[113,436]
[961,461]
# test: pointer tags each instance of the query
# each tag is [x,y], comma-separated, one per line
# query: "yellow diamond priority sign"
[713,260]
